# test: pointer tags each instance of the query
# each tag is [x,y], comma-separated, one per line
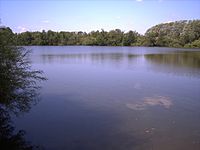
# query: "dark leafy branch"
[18,90]
[18,82]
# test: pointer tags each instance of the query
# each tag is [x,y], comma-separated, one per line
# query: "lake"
[115,98]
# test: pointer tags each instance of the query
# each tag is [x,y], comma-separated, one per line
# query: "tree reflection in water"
[18,90]
[179,59]
[182,63]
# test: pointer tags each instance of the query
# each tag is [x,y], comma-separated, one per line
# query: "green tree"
[130,38]
[18,90]
[17,79]
[115,37]
[173,34]
[195,44]
[102,38]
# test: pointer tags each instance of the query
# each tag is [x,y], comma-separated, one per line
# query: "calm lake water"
[115,98]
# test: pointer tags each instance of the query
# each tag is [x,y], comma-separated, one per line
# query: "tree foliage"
[100,38]
[17,79]
[174,34]
[18,88]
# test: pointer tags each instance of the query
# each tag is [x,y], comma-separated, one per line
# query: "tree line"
[184,33]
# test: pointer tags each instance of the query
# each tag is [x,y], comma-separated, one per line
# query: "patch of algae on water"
[151,101]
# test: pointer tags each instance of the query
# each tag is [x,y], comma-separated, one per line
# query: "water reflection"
[95,58]
[180,63]
[179,59]
[9,139]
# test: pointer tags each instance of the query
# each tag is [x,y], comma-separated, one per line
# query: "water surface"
[121,98]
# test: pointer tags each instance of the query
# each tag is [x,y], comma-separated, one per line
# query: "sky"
[92,15]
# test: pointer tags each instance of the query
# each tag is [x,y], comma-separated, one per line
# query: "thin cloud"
[139,0]
[22,29]
[45,21]
[118,17]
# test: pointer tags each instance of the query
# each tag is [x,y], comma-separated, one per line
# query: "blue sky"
[88,15]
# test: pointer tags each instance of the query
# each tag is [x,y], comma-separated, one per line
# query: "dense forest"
[174,34]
